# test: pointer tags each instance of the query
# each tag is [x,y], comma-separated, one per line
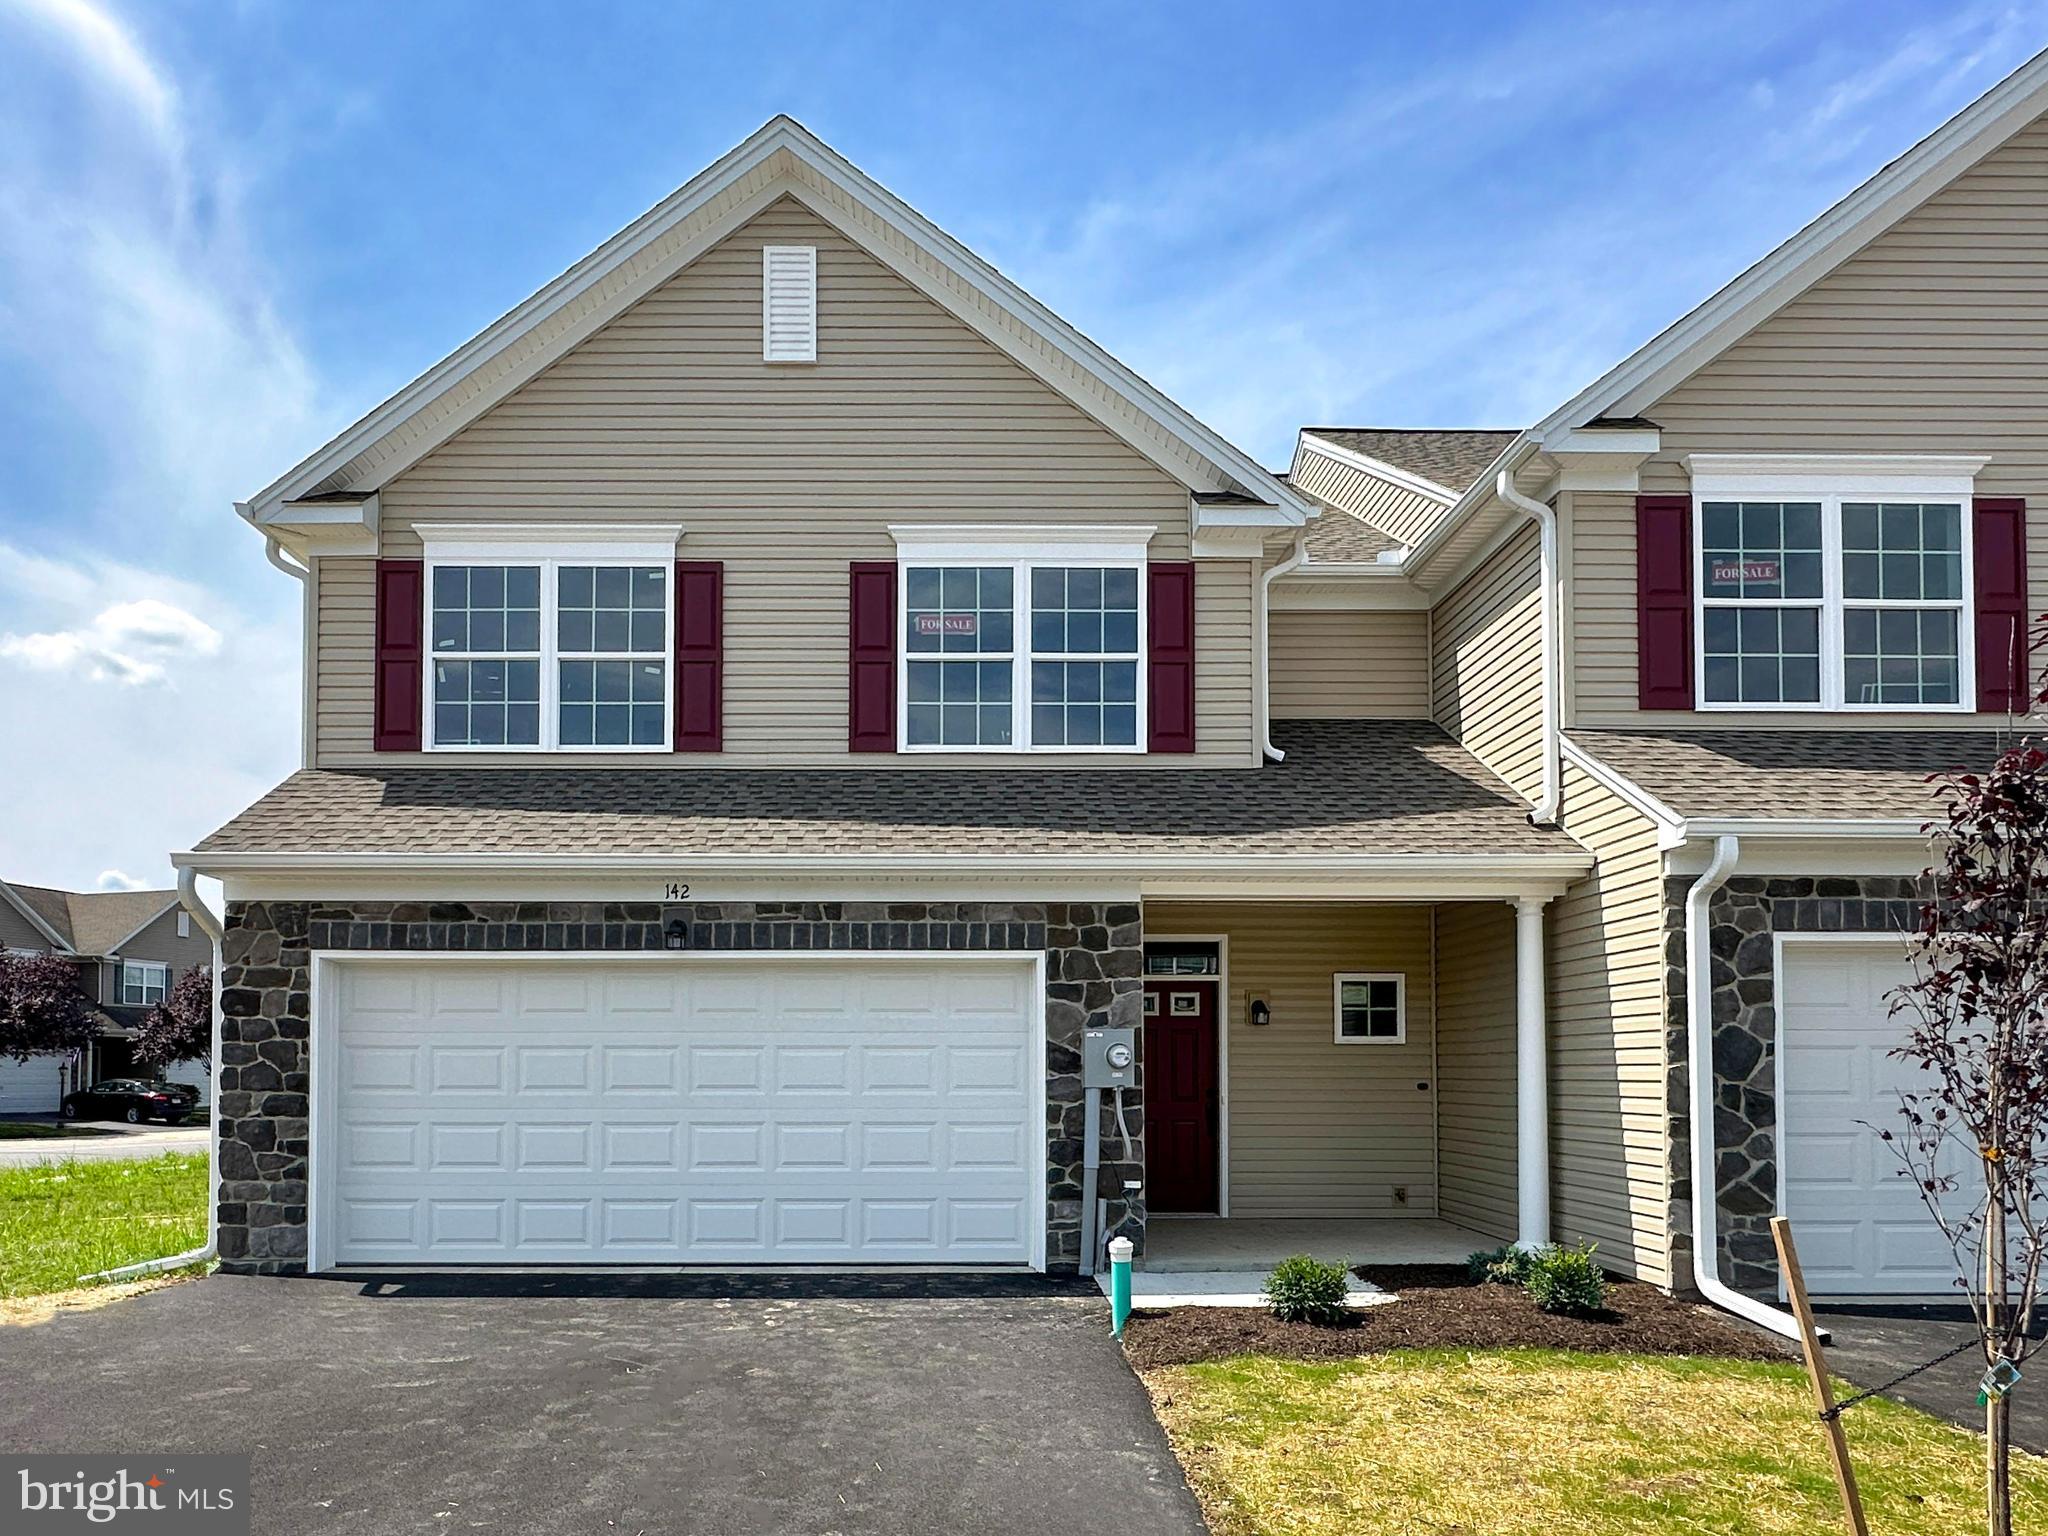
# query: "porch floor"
[1191,1245]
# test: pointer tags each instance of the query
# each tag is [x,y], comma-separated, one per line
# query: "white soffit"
[782,159]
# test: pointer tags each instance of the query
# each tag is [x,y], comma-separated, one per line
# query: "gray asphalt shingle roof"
[1453,457]
[1347,787]
[1828,774]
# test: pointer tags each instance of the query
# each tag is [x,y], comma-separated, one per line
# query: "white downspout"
[1296,559]
[1546,812]
[188,894]
[302,574]
[1699,1038]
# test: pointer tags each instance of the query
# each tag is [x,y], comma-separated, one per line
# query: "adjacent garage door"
[698,1111]
[31,1087]
[1862,1229]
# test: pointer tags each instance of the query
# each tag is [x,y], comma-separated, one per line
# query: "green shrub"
[1306,1290]
[1506,1265]
[1566,1280]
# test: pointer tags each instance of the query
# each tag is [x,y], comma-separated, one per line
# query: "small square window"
[1371,1009]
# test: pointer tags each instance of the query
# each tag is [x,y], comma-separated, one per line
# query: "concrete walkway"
[127,1141]
[650,1404]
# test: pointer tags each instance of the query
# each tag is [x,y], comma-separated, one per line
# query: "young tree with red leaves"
[179,1028]
[1975,1140]
[42,1007]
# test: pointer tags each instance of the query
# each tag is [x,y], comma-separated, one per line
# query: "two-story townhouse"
[1786,553]
[129,946]
[770,698]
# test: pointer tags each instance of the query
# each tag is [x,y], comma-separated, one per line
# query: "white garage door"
[700,1111]
[1861,1228]
[31,1087]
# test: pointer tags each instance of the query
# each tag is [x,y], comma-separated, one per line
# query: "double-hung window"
[569,650]
[1842,587]
[144,982]
[1007,649]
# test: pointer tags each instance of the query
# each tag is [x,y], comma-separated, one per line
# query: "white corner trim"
[446,542]
[1379,469]
[1051,542]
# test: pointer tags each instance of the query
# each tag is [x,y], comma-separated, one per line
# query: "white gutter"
[1546,811]
[188,894]
[1295,560]
[274,553]
[1699,1037]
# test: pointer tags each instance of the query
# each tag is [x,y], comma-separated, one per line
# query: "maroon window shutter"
[2000,553]
[871,657]
[1664,602]
[401,658]
[1170,656]
[700,655]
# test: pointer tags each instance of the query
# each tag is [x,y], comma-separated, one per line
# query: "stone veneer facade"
[1746,914]
[1093,953]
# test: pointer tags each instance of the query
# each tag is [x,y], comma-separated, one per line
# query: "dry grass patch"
[1521,1442]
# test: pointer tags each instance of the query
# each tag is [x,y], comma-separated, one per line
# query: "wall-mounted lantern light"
[676,935]
[1261,1014]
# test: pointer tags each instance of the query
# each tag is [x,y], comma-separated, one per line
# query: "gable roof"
[1740,306]
[89,922]
[1620,395]
[1449,458]
[782,159]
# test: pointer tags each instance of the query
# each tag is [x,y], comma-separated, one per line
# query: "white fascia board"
[1670,825]
[1379,469]
[1347,588]
[611,270]
[1737,475]
[35,919]
[445,542]
[967,542]
[1600,458]
[1406,877]
[1511,458]
[1682,349]
[1805,848]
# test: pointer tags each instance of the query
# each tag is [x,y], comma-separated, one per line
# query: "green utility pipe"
[1119,1283]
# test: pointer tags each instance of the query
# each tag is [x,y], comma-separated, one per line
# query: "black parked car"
[132,1099]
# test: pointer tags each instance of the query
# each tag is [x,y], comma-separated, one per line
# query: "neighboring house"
[774,690]
[129,947]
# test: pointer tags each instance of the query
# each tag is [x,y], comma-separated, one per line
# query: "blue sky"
[228,230]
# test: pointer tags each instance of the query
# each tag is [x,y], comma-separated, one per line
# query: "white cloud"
[112,54]
[119,880]
[128,643]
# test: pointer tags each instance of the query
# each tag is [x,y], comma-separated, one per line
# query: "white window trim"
[1830,480]
[616,544]
[1400,981]
[145,969]
[1023,548]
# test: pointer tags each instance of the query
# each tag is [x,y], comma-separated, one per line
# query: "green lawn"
[62,1220]
[1516,1442]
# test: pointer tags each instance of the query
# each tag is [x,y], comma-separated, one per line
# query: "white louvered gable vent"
[789,303]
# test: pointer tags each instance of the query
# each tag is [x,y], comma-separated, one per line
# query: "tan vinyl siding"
[1487,663]
[1394,509]
[1933,339]
[17,932]
[1318,1128]
[1605,945]
[1475,1013]
[786,473]
[1350,666]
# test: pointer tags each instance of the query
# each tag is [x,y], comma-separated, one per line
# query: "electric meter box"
[1109,1058]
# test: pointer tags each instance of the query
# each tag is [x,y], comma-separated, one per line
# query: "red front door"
[1180,1095]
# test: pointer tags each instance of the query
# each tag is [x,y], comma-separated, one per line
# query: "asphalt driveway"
[1872,1345]
[630,1404]
[108,1140]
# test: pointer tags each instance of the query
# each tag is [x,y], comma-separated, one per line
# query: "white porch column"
[1532,1095]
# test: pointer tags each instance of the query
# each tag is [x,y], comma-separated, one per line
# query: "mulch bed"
[1440,1309]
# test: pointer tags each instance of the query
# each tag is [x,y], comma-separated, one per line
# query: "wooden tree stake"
[1817,1376]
